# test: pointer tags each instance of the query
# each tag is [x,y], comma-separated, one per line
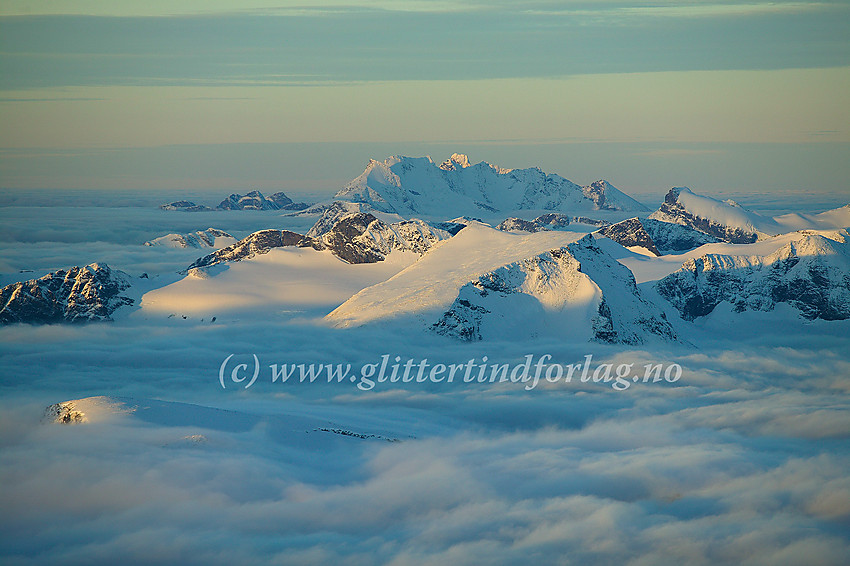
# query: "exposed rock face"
[257,243]
[285,203]
[80,294]
[455,162]
[575,289]
[362,238]
[550,221]
[356,237]
[675,238]
[656,236]
[451,227]
[349,239]
[64,413]
[252,201]
[89,410]
[600,191]
[331,213]
[812,274]
[185,206]
[463,320]
[727,221]
[630,233]
[200,239]
[517,225]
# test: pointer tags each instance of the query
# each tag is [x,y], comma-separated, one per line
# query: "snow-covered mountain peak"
[813,244]
[600,185]
[606,197]
[416,186]
[79,294]
[728,221]
[457,160]
[255,200]
[576,290]
[810,272]
[209,238]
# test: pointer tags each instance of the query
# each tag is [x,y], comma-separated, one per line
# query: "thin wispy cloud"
[160,8]
[678,10]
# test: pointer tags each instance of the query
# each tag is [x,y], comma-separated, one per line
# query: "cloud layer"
[742,461]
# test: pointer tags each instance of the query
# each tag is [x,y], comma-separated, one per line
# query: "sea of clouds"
[742,461]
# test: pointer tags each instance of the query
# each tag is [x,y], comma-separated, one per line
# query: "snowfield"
[431,284]
[282,283]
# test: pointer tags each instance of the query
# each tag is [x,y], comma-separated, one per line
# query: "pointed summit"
[457,160]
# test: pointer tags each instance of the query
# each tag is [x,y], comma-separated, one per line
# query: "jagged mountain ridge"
[725,220]
[549,221]
[657,237]
[257,243]
[255,200]
[418,186]
[811,273]
[185,206]
[363,238]
[78,294]
[355,237]
[574,290]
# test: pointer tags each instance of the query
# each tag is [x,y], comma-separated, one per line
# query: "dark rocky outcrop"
[79,294]
[812,274]
[658,237]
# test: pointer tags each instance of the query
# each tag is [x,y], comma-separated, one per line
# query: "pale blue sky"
[648,94]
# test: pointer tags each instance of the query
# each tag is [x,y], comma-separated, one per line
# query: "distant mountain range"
[251,201]
[537,273]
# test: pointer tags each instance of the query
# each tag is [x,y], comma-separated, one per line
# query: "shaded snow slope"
[655,236]
[577,292]
[811,272]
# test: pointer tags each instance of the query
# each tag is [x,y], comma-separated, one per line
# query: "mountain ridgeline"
[534,272]
[413,186]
